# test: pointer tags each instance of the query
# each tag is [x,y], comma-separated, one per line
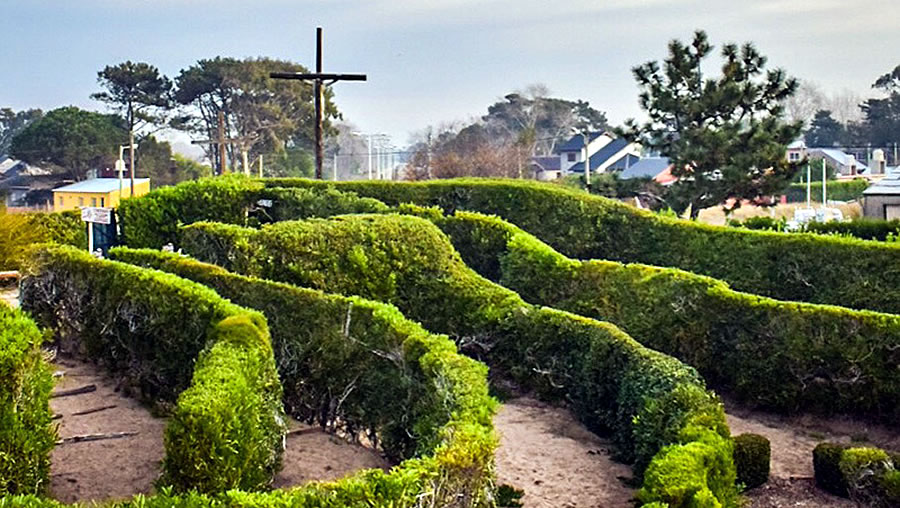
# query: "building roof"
[888,185]
[602,155]
[576,142]
[646,168]
[797,145]
[99,185]
[547,163]
[839,156]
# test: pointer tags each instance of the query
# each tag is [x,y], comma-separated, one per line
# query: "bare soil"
[793,438]
[9,295]
[547,453]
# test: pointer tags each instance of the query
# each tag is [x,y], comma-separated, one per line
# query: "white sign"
[98,215]
[265,203]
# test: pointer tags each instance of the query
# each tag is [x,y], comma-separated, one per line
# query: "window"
[793,156]
[571,156]
[102,201]
[80,201]
[60,201]
[93,201]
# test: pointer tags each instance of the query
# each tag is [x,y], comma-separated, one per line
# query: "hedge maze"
[374,309]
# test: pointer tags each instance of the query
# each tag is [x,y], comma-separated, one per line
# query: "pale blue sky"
[431,61]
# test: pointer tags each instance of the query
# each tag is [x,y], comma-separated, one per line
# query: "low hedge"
[27,434]
[837,190]
[65,228]
[866,229]
[797,267]
[813,357]
[868,476]
[150,327]
[752,458]
[662,417]
[360,365]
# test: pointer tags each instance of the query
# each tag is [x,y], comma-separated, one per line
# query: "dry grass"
[716,216]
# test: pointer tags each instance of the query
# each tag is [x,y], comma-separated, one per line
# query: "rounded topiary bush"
[865,471]
[752,456]
[827,466]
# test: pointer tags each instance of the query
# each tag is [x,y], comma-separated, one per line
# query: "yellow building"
[101,192]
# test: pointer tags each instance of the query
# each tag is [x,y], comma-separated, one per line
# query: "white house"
[606,153]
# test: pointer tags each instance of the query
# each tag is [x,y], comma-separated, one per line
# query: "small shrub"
[752,457]
[27,434]
[827,467]
[863,470]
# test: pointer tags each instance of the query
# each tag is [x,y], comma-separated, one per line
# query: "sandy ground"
[793,438]
[555,460]
[315,455]
[110,469]
[9,295]
[716,216]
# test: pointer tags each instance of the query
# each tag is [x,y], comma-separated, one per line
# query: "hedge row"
[27,434]
[65,228]
[865,229]
[155,330]
[661,416]
[836,190]
[152,220]
[869,476]
[798,267]
[361,365]
[813,357]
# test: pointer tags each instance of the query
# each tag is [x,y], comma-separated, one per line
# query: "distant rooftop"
[576,142]
[646,168]
[602,155]
[546,162]
[99,185]
[888,185]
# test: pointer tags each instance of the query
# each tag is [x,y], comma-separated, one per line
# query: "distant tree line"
[267,116]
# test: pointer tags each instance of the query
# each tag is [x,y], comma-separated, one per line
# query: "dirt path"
[111,469]
[793,439]
[10,295]
[555,460]
[312,454]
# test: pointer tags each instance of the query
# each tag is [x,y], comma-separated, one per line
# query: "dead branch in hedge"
[74,391]
[95,437]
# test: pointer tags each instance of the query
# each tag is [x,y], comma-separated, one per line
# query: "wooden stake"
[95,437]
[95,410]
[74,391]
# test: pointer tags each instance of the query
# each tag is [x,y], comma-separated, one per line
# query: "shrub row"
[361,365]
[151,327]
[26,433]
[662,417]
[837,190]
[17,231]
[152,220]
[798,267]
[813,357]
[865,229]
[868,476]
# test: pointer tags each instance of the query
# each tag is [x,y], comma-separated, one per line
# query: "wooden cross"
[221,142]
[318,78]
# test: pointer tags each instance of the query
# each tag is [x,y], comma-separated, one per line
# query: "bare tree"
[806,101]
[844,106]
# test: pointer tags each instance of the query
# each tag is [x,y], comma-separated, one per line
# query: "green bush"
[648,399]
[864,471]
[292,204]
[26,433]
[866,229]
[827,467]
[796,267]
[814,357]
[65,228]
[837,190]
[752,457]
[765,223]
[150,327]
[359,364]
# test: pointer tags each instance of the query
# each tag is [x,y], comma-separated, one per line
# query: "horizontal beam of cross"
[318,76]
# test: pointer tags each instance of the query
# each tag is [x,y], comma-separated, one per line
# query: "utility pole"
[587,161]
[319,79]
[260,166]
[131,149]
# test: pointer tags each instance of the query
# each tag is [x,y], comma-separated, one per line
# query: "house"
[605,151]
[796,151]
[846,164]
[650,167]
[882,199]
[26,185]
[545,167]
[101,192]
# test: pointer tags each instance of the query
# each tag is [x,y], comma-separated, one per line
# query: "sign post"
[94,215]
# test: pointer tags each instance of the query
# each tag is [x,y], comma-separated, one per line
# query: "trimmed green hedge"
[752,458]
[26,433]
[227,425]
[361,365]
[65,228]
[837,190]
[798,267]
[868,476]
[813,357]
[866,229]
[662,417]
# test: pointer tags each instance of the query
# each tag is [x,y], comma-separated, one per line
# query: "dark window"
[571,156]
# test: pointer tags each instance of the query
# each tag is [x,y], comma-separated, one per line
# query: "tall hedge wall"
[172,338]
[26,433]
[662,417]
[813,357]
[361,365]
[799,267]
[836,190]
